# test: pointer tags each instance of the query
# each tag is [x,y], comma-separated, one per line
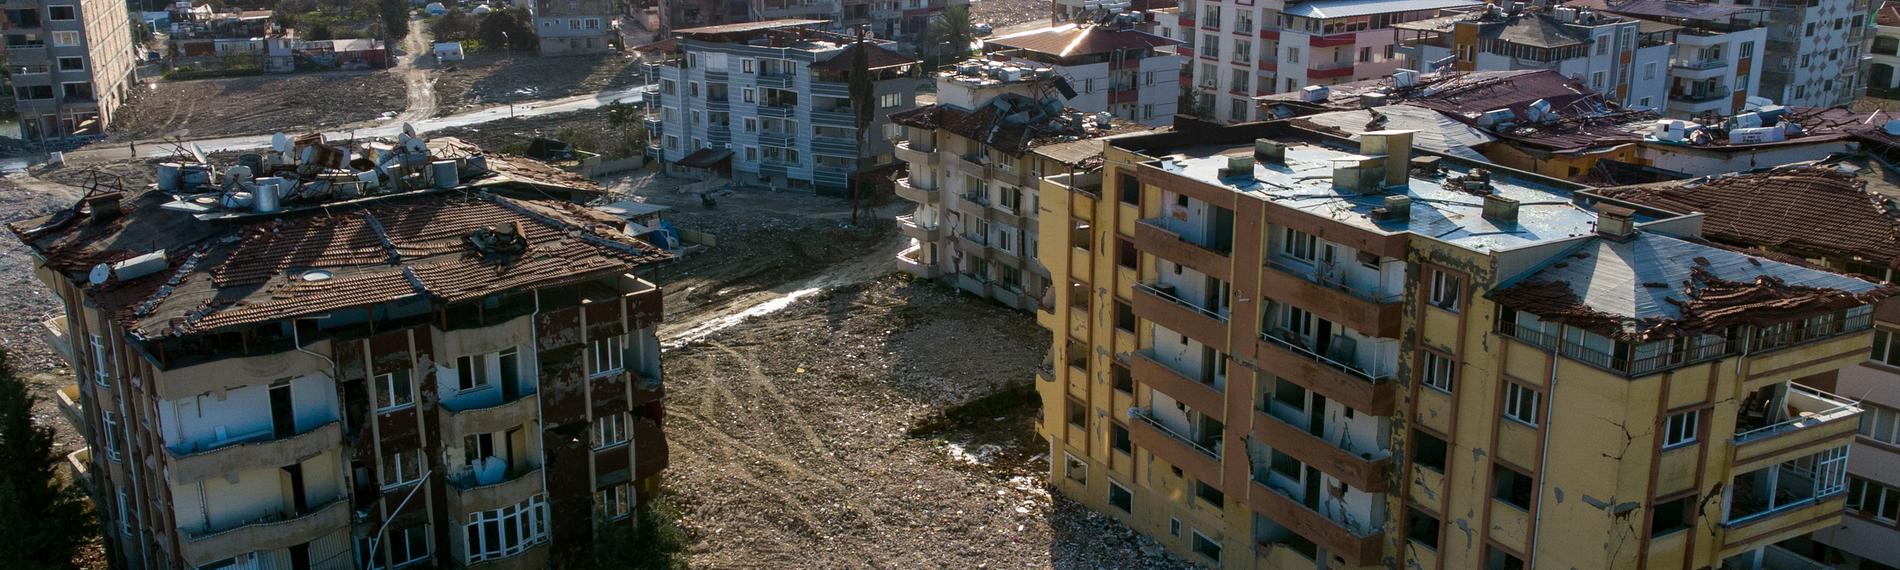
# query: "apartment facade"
[1814,51]
[1884,52]
[1276,350]
[258,393]
[71,65]
[1238,50]
[1625,59]
[973,177]
[903,21]
[1856,208]
[768,103]
[1111,67]
[576,27]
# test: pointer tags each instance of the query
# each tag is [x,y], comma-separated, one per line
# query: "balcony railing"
[1702,97]
[189,464]
[1701,64]
[1148,418]
[1168,293]
[1812,408]
[1298,347]
[1312,275]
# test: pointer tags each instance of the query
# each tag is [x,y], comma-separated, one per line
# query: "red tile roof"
[1784,209]
[1889,14]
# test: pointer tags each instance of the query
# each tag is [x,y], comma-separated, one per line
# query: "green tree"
[653,542]
[453,26]
[47,521]
[507,28]
[394,15]
[950,33]
[863,92]
[320,32]
[627,118]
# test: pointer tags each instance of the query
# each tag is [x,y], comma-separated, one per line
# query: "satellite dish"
[280,143]
[100,274]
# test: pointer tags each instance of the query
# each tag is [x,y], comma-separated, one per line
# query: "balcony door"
[283,415]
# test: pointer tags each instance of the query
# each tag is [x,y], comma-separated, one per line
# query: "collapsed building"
[353,354]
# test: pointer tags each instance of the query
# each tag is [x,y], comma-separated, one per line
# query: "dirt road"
[417,60]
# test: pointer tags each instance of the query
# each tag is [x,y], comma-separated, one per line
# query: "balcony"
[1304,286]
[1332,536]
[909,190]
[53,331]
[1699,64]
[1360,470]
[1157,303]
[257,449]
[1202,395]
[776,139]
[516,485]
[69,404]
[917,158]
[1363,390]
[837,89]
[1175,448]
[777,80]
[778,111]
[1153,237]
[1330,70]
[835,146]
[911,261]
[922,232]
[1334,40]
[488,419]
[972,245]
[840,117]
[1699,97]
[271,532]
[1818,420]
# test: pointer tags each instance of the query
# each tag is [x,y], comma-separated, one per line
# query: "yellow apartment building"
[1276,349]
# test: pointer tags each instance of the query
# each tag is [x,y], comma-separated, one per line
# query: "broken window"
[1119,440]
[1500,560]
[1207,547]
[615,502]
[471,372]
[1429,451]
[1446,288]
[1670,516]
[1078,414]
[1511,487]
[1421,528]
[1120,497]
[606,355]
[393,391]
[506,531]
[610,430]
[402,468]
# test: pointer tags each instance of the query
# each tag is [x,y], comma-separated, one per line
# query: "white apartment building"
[1625,59]
[1814,51]
[71,65]
[1884,53]
[1716,62]
[976,158]
[1241,50]
[768,103]
[1112,67]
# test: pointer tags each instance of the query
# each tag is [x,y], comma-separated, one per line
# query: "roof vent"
[1615,222]
[1269,151]
[1395,208]
[1238,167]
[1314,93]
[1498,208]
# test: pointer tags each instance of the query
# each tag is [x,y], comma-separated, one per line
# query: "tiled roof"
[879,57]
[748,27]
[253,270]
[1889,14]
[987,125]
[1784,209]
[1673,9]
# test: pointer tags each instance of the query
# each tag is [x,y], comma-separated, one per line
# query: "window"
[1206,547]
[745,66]
[1298,244]
[1211,494]
[1075,469]
[1124,380]
[111,436]
[615,502]
[1292,56]
[72,64]
[1130,190]
[404,546]
[1120,497]
[610,430]
[1830,471]
[1670,516]
[1886,347]
[606,355]
[1445,290]
[889,100]
[101,362]
[1879,424]
[1124,316]
[1649,70]
[1681,428]
[1429,451]
[1126,255]
[1873,499]
[125,516]
[1118,439]
[1421,528]
[1511,487]
[76,90]
[1520,403]
[506,531]
[1437,371]
[1748,49]
[394,391]
[749,95]
[1078,414]
[1495,559]
[65,39]
[402,468]
[471,373]
[60,13]
[1365,54]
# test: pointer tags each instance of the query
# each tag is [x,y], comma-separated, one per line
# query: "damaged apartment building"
[903,21]
[1277,348]
[70,65]
[769,103]
[974,158]
[362,355]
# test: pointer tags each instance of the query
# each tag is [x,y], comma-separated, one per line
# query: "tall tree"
[952,31]
[46,520]
[394,15]
[863,92]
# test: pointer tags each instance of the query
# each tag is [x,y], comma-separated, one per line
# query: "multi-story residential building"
[454,368]
[899,20]
[1884,52]
[769,103]
[1111,67]
[974,158]
[1622,58]
[572,27]
[71,64]
[1858,211]
[1814,51]
[1715,66]
[1280,350]
[1241,50]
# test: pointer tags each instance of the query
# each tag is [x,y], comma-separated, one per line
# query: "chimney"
[1395,208]
[1615,222]
[1269,151]
[1500,209]
[1238,167]
[1396,147]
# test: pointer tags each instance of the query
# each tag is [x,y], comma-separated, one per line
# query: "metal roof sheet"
[1068,40]
[1347,8]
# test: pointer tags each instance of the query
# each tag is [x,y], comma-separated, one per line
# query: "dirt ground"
[486,79]
[505,134]
[1001,13]
[261,104]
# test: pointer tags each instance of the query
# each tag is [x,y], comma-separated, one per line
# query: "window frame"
[611,431]
[1430,365]
[609,362]
[386,390]
[392,465]
[1681,429]
[1447,290]
[1520,401]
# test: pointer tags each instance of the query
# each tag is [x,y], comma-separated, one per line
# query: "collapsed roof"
[1016,124]
[1781,208]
